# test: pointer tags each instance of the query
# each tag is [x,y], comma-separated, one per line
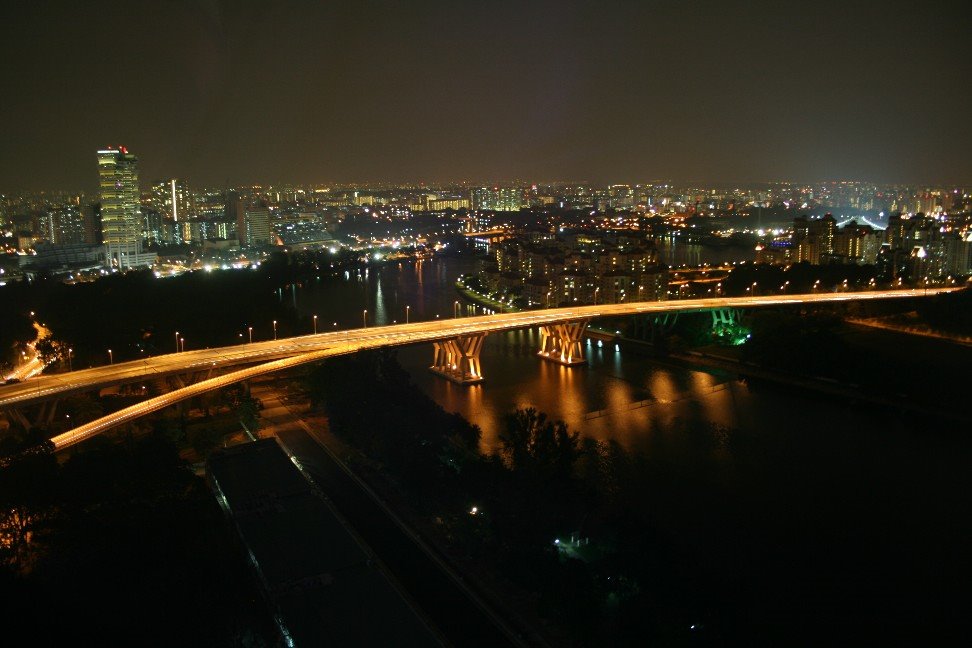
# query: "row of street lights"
[180,342]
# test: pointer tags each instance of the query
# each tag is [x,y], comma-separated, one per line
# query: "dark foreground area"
[441,598]
[845,531]
[123,545]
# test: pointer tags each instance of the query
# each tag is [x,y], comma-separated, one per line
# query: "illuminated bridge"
[456,348]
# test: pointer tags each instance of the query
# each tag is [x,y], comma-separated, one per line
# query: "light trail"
[305,347]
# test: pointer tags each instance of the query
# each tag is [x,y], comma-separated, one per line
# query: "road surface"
[202,360]
[441,598]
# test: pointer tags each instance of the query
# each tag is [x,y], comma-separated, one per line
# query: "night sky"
[240,92]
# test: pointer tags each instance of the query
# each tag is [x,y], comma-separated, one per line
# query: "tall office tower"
[174,202]
[121,220]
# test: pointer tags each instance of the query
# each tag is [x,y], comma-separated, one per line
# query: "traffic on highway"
[275,355]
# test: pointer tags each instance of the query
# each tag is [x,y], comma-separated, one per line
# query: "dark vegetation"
[887,363]
[802,278]
[661,547]
[951,312]
[615,576]
[16,328]
[136,314]
[122,545]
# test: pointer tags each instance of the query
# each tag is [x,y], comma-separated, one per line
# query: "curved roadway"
[281,354]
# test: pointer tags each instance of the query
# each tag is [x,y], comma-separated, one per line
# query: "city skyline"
[231,95]
[547,323]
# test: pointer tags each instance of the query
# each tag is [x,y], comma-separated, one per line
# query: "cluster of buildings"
[123,227]
[543,268]
[127,225]
[911,246]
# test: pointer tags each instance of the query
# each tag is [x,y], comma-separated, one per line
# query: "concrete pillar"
[45,414]
[458,358]
[724,316]
[562,342]
[17,416]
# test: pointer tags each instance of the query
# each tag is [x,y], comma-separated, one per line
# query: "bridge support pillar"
[15,415]
[458,359]
[45,416]
[561,343]
[724,317]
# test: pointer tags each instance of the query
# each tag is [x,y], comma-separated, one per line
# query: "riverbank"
[479,299]
[894,323]
[721,360]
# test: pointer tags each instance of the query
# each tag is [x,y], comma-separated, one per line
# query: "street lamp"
[249,330]
[754,288]
[921,254]
[315,325]
[455,308]
[111,358]
[364,317]
[182,344]
[407,307]
[177,341]
[274,329]
[783,287]
[595,295]
[70,352]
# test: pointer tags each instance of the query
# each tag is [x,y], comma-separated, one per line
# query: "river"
[853,514]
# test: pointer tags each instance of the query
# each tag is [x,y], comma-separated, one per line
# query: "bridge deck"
[291,352]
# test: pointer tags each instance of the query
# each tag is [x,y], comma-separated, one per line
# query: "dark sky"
[237,92]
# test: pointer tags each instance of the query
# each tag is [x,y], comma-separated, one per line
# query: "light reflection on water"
[754,475]
[618,395]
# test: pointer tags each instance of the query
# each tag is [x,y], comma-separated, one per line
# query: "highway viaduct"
[456,343]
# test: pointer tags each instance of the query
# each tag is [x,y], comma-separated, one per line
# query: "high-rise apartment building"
[174,202]
[813,239]
[65,225]
[253,226]
[121,220]
[497,198]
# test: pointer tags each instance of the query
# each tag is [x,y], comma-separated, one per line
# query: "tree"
[249,413]
[203,438]
[48,349]
[534,445]
[16,330]
[26,499]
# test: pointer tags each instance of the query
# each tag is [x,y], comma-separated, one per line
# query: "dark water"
[675,252]
[839,519]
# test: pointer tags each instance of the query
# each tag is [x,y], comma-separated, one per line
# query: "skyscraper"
[121,221]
